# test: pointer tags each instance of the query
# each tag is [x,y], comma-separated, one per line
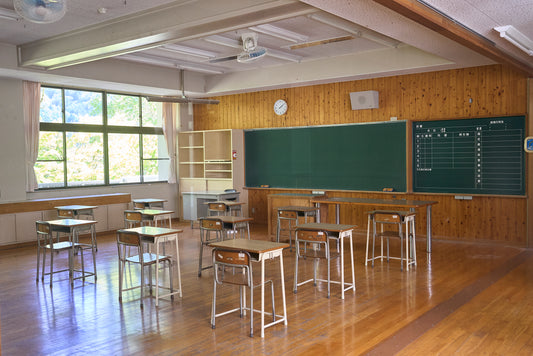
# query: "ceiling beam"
[435,21]
[175,22]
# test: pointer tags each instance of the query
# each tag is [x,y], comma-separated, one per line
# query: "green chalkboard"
[366,157]
[470,156]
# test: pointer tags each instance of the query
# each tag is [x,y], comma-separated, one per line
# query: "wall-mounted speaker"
[364,99]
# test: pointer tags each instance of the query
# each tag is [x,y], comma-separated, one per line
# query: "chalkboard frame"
[356,157]
[456,180]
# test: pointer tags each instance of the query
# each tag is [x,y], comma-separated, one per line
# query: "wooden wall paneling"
[495,90]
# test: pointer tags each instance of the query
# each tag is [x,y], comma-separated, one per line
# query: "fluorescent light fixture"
[279,32]
[282,55]
[354,29]
[195,52]
[171,63]
[9,14]
[516,37]
[181,100]
[223,41]
[202,69]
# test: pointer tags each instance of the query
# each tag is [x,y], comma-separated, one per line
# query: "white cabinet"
[209,163]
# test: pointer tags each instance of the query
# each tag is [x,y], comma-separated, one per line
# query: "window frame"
[105,130]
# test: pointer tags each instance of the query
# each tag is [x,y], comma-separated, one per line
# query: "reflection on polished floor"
[463,299]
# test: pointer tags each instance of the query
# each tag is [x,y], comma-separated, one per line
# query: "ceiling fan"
[181,99]
[41,11]
[251,51]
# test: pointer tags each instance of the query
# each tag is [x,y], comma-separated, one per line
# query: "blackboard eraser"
[388,189]
[265,186]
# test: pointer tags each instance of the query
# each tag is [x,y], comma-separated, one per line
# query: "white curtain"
[31,94]
[169,129]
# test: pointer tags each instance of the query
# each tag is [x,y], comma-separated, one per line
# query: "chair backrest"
[211,224]
[139,206]
[42,227]
[216,207]
[128,238]
[232,258]
[311,235]
[132,217]
[65,214]
[286,214]
[389,217]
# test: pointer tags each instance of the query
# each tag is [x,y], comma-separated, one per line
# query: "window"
[90,138]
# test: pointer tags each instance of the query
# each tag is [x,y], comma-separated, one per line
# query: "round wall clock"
[280,107]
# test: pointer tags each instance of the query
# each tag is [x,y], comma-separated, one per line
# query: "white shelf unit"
[207,164]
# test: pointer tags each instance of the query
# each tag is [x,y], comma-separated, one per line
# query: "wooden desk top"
[397,212]
[326,227]
[253,246]
[226,202]
[70,222]
[76,207]
[229,219]
[368,201]
[303,209]
[153,212]
[152,231]
[149,200]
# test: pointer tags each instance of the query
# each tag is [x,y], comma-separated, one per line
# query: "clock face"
[280,107]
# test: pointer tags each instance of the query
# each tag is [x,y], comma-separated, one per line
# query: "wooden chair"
[241,274]
[127,242]
[313,244]
[211,230]
[45,242]
[391,225]
[291,217]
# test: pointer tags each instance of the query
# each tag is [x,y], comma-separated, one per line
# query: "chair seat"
[148,258]
[65,245]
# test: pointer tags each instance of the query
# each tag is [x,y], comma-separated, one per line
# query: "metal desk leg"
[262,297]
[428,217]
[337,213]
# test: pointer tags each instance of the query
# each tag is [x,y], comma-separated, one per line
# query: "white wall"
[12,170]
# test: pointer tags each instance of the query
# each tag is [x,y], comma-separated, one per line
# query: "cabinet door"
[25,225]
[7,229]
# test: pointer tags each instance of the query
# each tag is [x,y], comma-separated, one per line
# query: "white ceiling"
[159,33]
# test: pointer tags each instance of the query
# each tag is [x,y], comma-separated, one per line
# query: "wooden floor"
[461,299]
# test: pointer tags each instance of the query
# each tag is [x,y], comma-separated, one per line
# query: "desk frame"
[264,250]
[396,203]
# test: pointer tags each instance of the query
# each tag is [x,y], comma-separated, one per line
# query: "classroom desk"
[77,210]
[396,203]
[155,215]
[231,206]
[261,250]
[158,235]
[193,202]
[72,227]
[337,231]
[233,223]
[149,203]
